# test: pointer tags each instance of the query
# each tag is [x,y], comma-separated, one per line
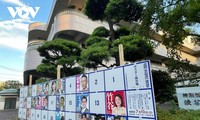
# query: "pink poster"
[116,103]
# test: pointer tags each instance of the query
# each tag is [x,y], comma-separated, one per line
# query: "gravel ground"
[8,114]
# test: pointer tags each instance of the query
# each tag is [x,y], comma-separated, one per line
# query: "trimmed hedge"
[178,114]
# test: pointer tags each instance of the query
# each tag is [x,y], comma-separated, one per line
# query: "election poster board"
[120,93]
[188,98]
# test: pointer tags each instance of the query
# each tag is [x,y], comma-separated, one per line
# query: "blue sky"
[14,35]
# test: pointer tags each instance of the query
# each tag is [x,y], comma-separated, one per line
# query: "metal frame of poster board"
[120,93]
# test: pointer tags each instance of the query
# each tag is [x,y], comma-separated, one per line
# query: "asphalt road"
[8,114]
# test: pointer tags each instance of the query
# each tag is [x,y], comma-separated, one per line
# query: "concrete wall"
[2,101]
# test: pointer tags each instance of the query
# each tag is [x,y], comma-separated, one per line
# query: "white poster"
[32,114]
[24,113]
[51,115]
[21,102]
[20,112]
[96,81]
[137,76]
[114,79]
[140,103]
[129,118]
[52,102]
[25,91]
[189,97]
[38,114]
[29,102]
[21,92]
[44,115]
[34,87]
[97,103]
[70,103]
[70,85]
[70,116]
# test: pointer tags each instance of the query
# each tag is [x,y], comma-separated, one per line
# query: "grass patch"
[178,114]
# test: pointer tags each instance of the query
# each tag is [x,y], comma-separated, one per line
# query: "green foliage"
[40,80]
[164,87]
[100,42]
[100,32]
[178,115]
[113,11]
[183,71]
[122,31]
[95,9]
[12,84]
[59,52]
[96,53]
[135,47]
[128,10]
[172,17]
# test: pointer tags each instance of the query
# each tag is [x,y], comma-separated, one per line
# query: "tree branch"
[103,65]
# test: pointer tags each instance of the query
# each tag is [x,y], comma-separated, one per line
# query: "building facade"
[67,21]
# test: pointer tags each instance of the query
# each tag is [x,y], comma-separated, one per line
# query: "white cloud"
[14,33]
[15,2]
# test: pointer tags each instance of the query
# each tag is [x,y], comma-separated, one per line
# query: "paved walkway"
[8,114]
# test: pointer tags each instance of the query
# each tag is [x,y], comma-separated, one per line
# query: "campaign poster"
[137,76]
[24,113]
[38,114]
[25,91]
[60,87]
[70,103]
[60,115]
[45,88]
[21,102]
[21,92]
[114,79]
[34,88]
[116,103]
[70,116]
[70,85]
[39,89]
[140,103]
[33,114]
[82,83]
[115,118]
[82,116]
[29,91]
[130,118]
[29,102]
[38,103]
[44,102]
[25,103]
[52,102]
[57,103]
[20,112]
[28,114]
[97,117]
[33,100]
[82,103]
[62,103]
[51,115]
[96,81]
[52,87]
[97,103]
[44,115]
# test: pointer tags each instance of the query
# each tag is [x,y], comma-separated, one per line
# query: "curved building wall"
[73,20]
[32,57]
